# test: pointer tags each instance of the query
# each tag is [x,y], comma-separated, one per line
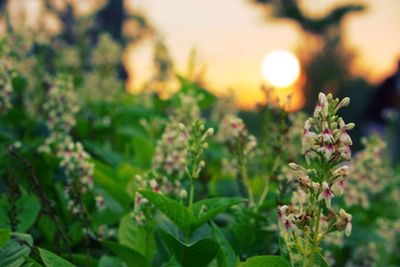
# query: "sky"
[232,37]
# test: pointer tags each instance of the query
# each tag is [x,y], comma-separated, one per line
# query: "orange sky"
[232,37]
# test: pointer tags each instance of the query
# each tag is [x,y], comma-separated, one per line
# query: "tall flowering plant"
[310,216]
[61,107]
[241,144]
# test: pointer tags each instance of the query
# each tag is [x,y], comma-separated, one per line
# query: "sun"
[280,68]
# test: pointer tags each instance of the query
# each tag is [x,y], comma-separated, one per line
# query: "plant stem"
[315,241]
[264,192]
[246,182]
[191,193]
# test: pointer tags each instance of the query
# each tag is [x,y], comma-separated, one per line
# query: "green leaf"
[284,250]
[28,209]
[82,260]
[320,260]
[13,252]
[207,209]
[144,150]
[31,262]
[226,255]
[131,257]
[173,262]
[116,190]
[136,237]
[52,260]
[198,254]
[5,235]
[175,211]
[107,261]
[262,261]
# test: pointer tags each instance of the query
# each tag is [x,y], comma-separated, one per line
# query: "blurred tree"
[325,59]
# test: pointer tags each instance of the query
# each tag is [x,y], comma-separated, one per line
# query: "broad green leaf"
[28,209]
[198,254]
[207,209]
[52,260]
[116,190]
[131,257]
[263,261]
[136,237]
[175,211]
[47,227]
[5,235]
[226,255]
[173,262]
[13,252]
[144,148]
[103,152]
[107,261]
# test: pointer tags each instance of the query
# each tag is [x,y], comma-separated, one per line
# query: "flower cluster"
[143,210]
[233,132]
[60,107]
[76,163]
[198,136]
[224,106]
[326,133]
[368,170]
[188,110]
[171,151]
[6,75]
[241,144]
[310,216]
[107,53]
[102,82]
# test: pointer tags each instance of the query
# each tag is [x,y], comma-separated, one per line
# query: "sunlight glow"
[280,68]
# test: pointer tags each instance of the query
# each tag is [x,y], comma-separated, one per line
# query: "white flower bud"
[183,194]
[182,127]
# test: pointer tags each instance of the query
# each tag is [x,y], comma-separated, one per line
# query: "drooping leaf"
[131,257]
[205,210]
[226,255]
[198,254]
[263,261]
[5,235]
[52,260]
[116,190]
[13,252]
[175,211]
[136,237]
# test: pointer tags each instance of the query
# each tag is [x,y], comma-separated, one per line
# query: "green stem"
[264,192]
[191,193]
[315,241]
[247,183]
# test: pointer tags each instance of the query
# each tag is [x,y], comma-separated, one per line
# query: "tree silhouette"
[325,58]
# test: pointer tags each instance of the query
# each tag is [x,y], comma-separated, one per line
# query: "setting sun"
[280,68]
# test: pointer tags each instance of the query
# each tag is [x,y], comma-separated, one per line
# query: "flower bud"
[183,194]
[182,127]
[210,132]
